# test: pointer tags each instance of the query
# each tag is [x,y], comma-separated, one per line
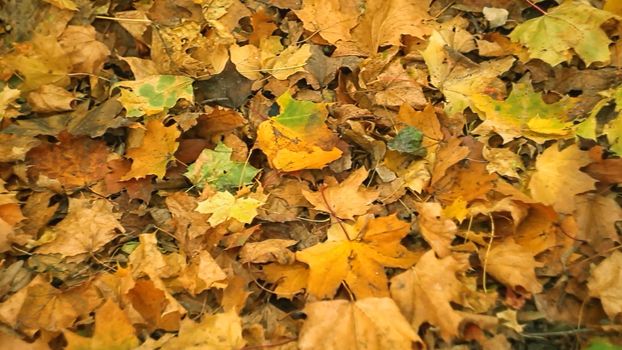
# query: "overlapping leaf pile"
[313,174]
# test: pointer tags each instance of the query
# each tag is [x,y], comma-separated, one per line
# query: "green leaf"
[216,168]
[524,113]
[300,115]
[602,344]
[571,26]
[154,94]
[408,140]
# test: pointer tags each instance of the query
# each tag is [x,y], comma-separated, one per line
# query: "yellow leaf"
[224,206]
[605,283]
[365,324]
[113,330]
[157,149]
[336,27]
[512,265]
[290,279]
[63,4]
[298,138]
[457,209]
[346,199]
[357,254]
[438,230]
[558,179]
[425,294]
[219,331]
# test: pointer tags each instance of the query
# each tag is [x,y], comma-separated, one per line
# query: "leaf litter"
[226,174]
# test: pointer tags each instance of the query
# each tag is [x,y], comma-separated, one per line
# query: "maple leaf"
[113,330]
[459,81]
[563,166]
[268,250]
[290,279]
[572,26]
[613,130]
[156,150]
[51,309]
[502,161]
[605,282]
[86,53]
[512,265]
[218,331]
[434,281]
[75,162]
[8,99]
[298,138]
[408,140]
[50,98]
[344,200]
[63,4]
[217,169]
[370,323]
[224,206]
[524,113]
[89,225]
[596,216]
[333,28]
[154,94]
[384,22]
[437,230]
[356,254]
[270,57]
[202,273]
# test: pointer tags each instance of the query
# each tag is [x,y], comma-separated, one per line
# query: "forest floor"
[310,174]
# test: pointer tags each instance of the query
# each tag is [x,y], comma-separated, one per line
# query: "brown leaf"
[75,162]
[333,28]
[269,250]
[436,229]
[596,216]
[89,225]
[50,98]
[606,283]
[86,53]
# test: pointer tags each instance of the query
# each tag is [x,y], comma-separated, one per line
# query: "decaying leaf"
[606,283]
[218,331]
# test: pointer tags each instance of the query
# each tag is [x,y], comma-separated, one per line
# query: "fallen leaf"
[75,162]
[357,254]
[438,230]
[63,4]
[50,98]
[289,279]
[460,81]
[89,225]
[408,140]
[512,265]
[87,55]
[346,199]
[218,331]
[224,206]
[154,94]
[154,153]
[298,138]
[203,273]
[524,114]
[435,282]
[384,22]
[370,324]
[14,148]
[8,98]
[563,166]
[605,282]
[503,161]
[571,27]
[112,330]
[596,216]
[215,167]
[334,28]
[270,250]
